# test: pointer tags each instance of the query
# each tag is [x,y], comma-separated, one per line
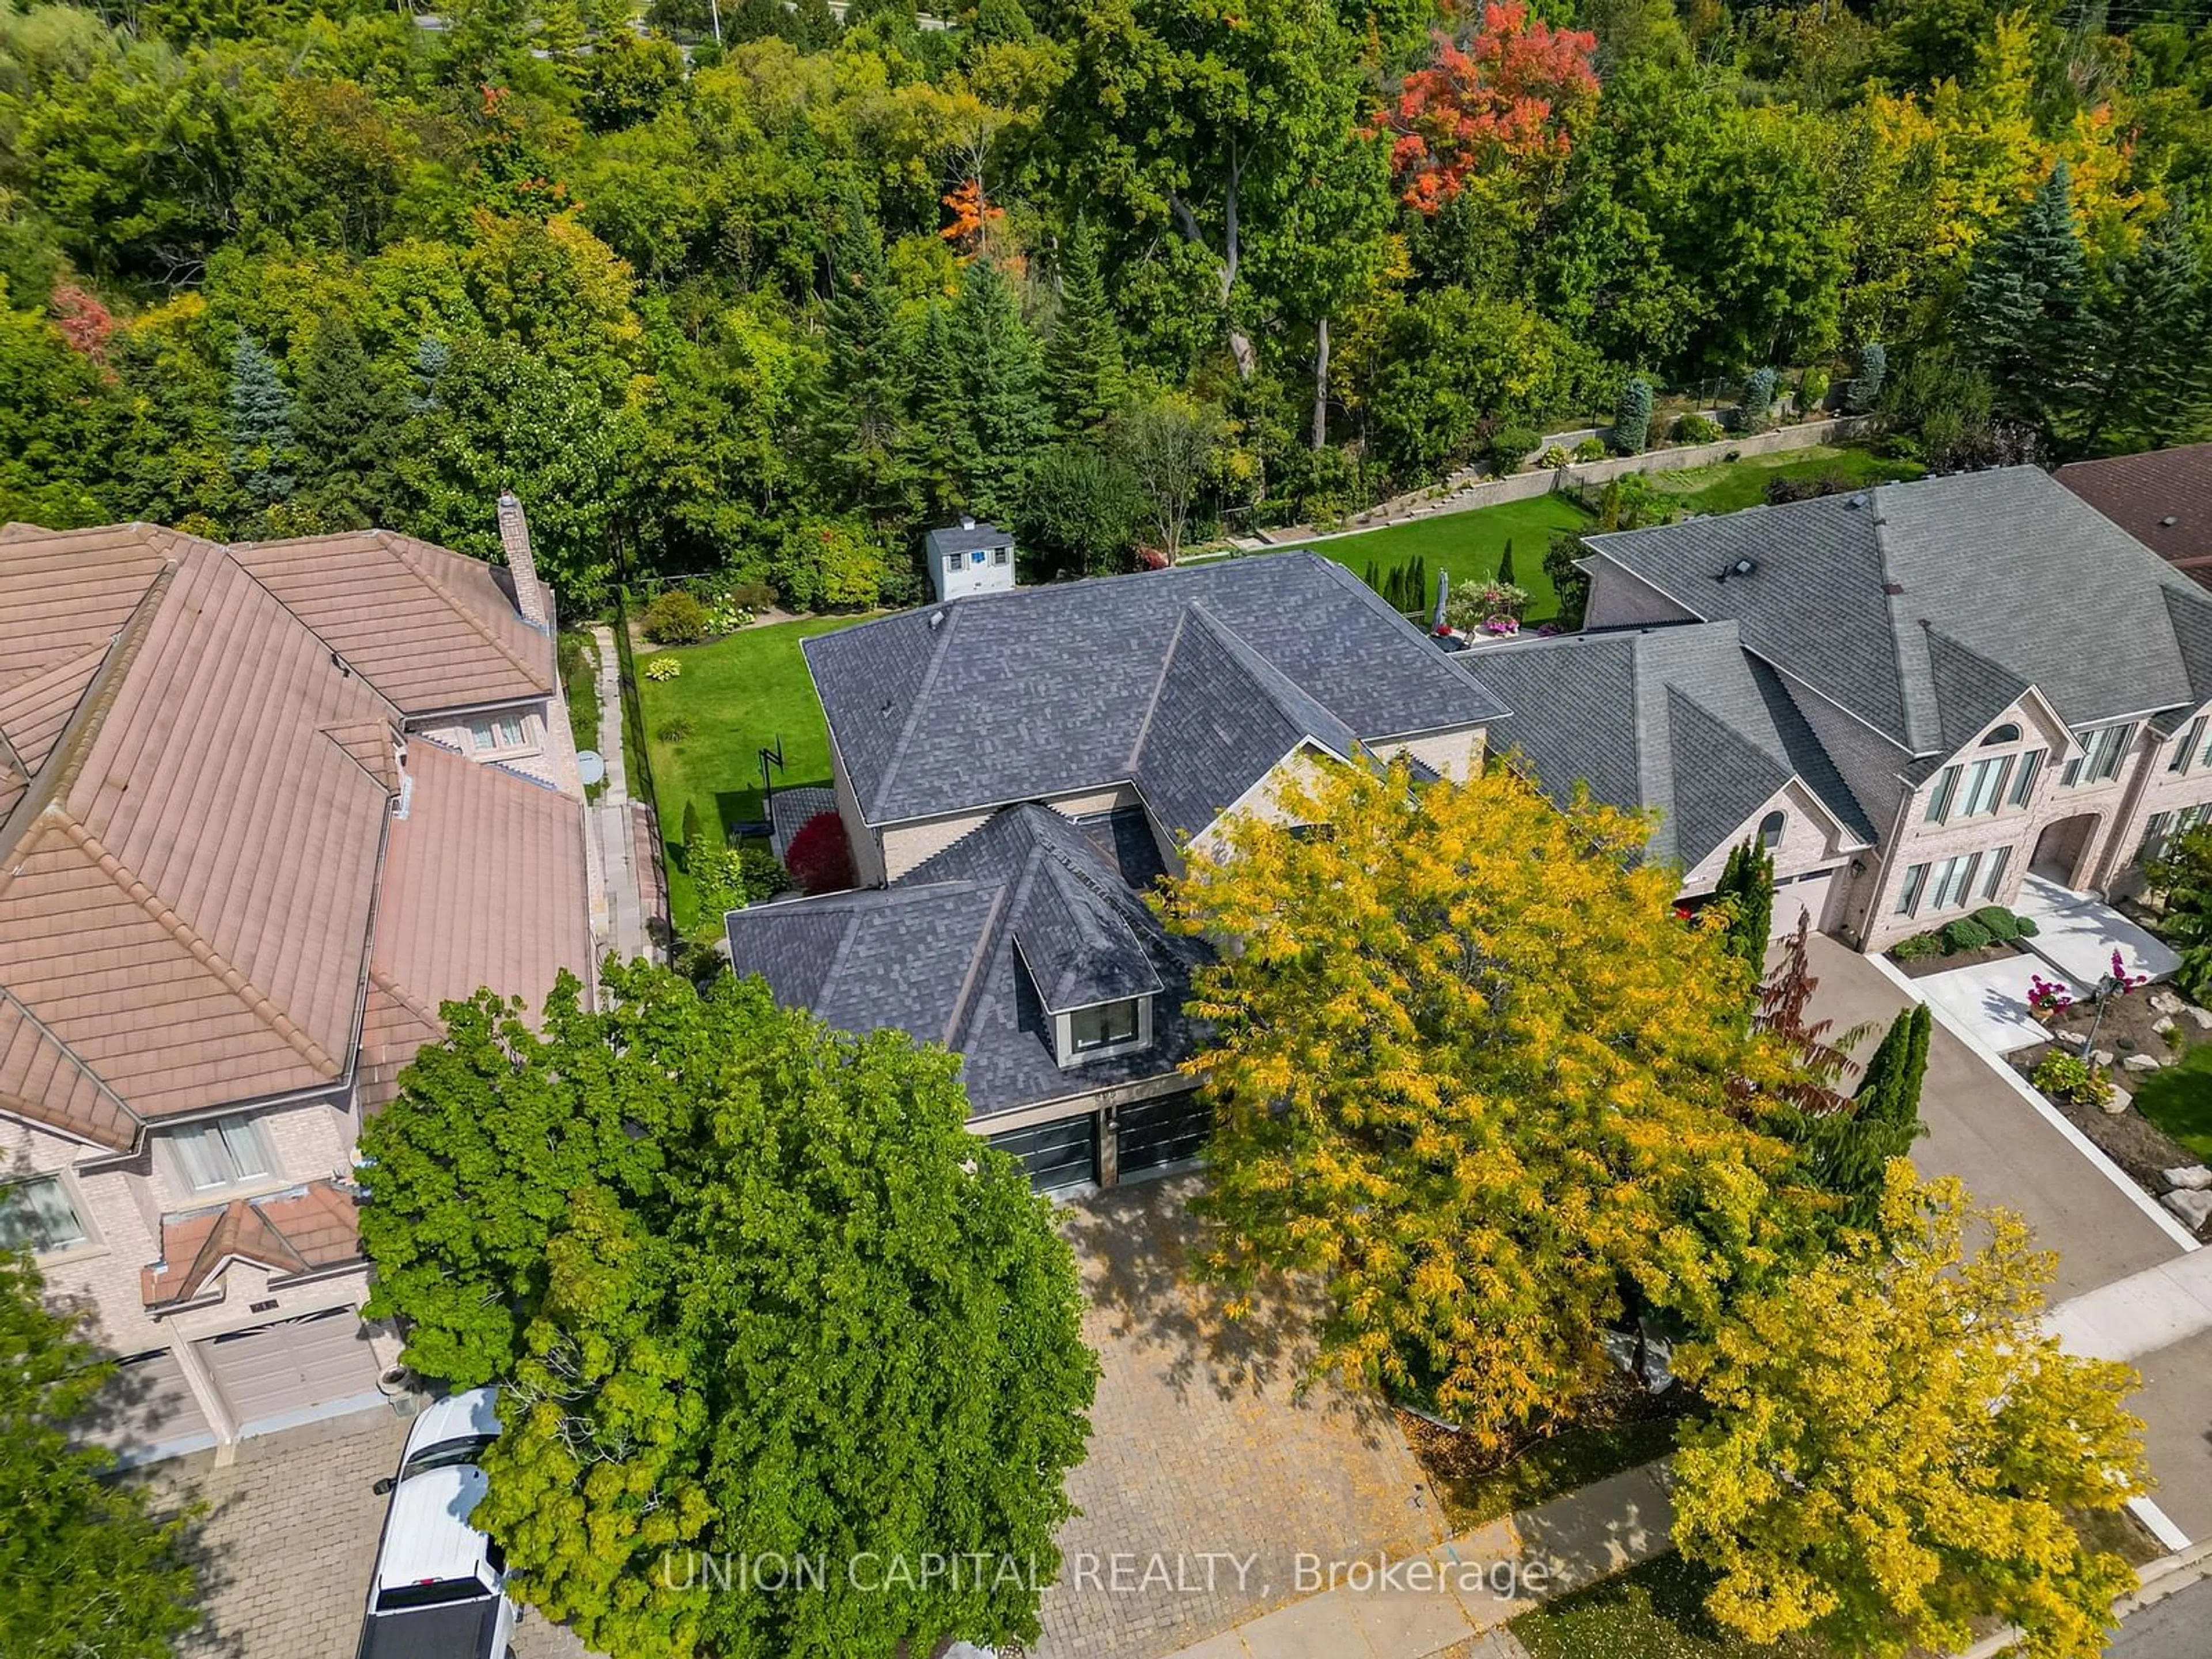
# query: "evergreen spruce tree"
[1083,359]
[1631,415]
[349,432]
[2152,385]
[2023,320]
[857,416]
[431,356]
[261,444]
[1867,383]
[1008,419]
[816,27]
[1758,399]
[940,446]
[1747,888]
[1847,1152]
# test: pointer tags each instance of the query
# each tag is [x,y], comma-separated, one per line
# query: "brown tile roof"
[190,866]
[299,1232]
[2162,498]
[430,628]
[483,885]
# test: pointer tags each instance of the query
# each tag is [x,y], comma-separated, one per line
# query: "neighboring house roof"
[190,869]
[977,947]
[1924,608]
[1002,697]
[966,539]
[2163,499]
[301,1230]
[1680,718]
[431,629]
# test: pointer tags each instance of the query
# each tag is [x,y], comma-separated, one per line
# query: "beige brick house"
[2005,682]
[243,859]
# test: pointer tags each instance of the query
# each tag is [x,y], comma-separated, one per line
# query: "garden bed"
[1922,967]
[1991,933]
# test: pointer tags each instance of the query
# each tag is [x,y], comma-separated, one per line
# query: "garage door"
[274,1376]
[1059,1155]
[1805,893]
[148,1412]
[1163,1132]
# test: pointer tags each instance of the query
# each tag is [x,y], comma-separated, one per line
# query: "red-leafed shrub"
[83,321]
[821,856]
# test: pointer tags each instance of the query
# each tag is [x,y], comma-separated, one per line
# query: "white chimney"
[514,542]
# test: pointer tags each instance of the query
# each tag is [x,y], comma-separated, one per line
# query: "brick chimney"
[514,542]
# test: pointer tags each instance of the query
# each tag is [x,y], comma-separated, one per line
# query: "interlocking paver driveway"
[1199,1446]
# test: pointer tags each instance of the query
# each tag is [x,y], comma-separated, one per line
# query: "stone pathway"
[615,843]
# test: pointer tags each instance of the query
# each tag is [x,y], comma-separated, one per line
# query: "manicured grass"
[1470,544]
[1729,486]
[1655,1610]
[736,694]
[2179,1097]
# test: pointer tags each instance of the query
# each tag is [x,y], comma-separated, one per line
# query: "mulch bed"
[1927,965]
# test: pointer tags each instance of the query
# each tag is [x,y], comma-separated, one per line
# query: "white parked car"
[440,1589]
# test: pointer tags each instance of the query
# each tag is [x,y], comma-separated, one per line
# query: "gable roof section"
[2162,498]
[1002,697]
[1681,719]
[2023,578]
[429,629]
[291,1233]
[976,948]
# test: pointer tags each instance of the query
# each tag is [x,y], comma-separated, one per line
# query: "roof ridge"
[1159,680]
[393,542]
[203,950]
[406,998]
[964,1001]
[921,701]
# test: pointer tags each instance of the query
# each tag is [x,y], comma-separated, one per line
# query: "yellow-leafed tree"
[1895,1448]
[1470,1067]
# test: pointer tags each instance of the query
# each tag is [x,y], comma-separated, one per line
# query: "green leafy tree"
[1169,443]
[1468,1069]
[262,452]
[2182,874]
[1746,889]
[1896,1453]
[2023,314]
[1570,583]
[751,1287]
[1008,419]
[1083,358]
[88,1565]
[1081,509]
[350,427]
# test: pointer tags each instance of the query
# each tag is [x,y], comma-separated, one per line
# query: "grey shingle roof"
[1001,698]
[1680,718]
[2008,566]
[965,538]
[975,948]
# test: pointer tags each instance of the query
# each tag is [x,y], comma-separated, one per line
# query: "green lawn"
[2178,1098]
[1655,1610]
[736,694]
[1470,544]
[1729,486]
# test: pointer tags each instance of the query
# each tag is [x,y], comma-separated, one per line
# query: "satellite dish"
[591,768]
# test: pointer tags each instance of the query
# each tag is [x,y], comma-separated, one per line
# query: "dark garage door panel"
[1059,1155]
[1160,1132]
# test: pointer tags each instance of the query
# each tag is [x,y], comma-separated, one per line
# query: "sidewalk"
[1467,1587]
[2140,1313]
[622,930]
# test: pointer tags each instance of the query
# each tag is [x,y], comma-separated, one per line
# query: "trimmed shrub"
[1917,947]
[1758,403]
[675,618]
[2024,926]
[1966,934]
[1696,429]
[752,596]
[2003,926]
[1873,372]
[1631,416]
[1508,447]
[1811,389]
[2069,1076]
[1590,449]
[821,856]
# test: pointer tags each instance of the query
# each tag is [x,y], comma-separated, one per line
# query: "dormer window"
[1106,1026]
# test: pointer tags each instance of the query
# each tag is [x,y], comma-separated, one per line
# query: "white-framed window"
[2023,782]
[2008,733]
[1908,896]
[1951,881]
[1985,782]
[1994,882]
[2102,751]
[952,564]
[1106,1026]
[2185,753]
[227,1152]
[2161,829]
[1771,829]
[37,1215]
[1945,790]
[497,733]
[1000,554]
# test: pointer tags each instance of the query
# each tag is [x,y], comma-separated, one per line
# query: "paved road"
[2179,1627]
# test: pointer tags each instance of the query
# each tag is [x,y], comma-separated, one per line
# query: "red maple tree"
[1503,96]
[83,321]
[820,857]
[975,216]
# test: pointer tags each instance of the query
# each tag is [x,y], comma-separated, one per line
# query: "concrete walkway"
[622,929]
[2077,934]
[2140,1313]
[1457,1597]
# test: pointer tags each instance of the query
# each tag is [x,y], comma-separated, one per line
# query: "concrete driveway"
[2077,934]
[2004,1151]
[1201,1448]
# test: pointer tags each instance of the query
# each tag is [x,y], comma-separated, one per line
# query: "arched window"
[2006,733]
[1770,830]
